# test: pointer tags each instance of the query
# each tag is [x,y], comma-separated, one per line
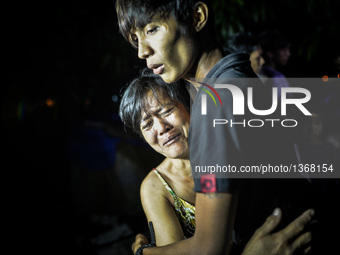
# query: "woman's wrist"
[140,249]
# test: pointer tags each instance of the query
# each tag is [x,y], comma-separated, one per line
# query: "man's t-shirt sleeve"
[214,146]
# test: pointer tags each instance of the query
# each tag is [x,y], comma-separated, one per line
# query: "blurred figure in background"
[245,42]
[276,53]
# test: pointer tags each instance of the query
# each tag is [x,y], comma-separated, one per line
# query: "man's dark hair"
[134,14]
[134,97]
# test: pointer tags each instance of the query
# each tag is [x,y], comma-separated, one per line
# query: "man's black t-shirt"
[240,145]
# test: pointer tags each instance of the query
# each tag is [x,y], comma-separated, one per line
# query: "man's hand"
[284,242]
[139,241]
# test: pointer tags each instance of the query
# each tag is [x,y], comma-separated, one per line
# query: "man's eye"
[134,38]
[134,41]
[152,30]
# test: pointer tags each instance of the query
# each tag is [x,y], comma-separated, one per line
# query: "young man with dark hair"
[177,41]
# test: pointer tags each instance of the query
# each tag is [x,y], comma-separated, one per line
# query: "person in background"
[276,53]
[246,42]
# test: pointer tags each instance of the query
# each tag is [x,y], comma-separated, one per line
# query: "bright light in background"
[49,102]
[325,78]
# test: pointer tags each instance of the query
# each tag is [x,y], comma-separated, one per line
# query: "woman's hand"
[139,241]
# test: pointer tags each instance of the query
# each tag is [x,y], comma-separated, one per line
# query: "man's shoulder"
[235,65]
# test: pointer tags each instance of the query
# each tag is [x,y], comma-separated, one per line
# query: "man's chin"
[168,79]
[165,78]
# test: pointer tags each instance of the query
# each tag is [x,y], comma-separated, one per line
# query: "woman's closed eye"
[147,125]
[148,122]
[167,112]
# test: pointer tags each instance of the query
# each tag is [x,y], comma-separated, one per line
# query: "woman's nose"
[162,126]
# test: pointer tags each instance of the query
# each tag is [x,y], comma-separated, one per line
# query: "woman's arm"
[159,210]
[264,241]
[214,223]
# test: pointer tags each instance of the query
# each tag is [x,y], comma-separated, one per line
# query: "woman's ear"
[200,16]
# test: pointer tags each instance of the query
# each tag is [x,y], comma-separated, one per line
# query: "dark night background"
[71,172]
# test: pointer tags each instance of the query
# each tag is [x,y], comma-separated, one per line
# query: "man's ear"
[200,16]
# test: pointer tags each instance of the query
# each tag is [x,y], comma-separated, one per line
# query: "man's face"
[165,126]
[257,60]
[166,50]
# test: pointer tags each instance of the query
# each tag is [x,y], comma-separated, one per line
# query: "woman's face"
[165,126]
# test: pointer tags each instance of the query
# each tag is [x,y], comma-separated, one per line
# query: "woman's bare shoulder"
[151,185]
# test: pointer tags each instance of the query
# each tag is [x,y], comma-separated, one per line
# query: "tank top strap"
[167,186]
[184,210]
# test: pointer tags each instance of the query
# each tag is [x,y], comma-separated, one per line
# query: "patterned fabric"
[184,210]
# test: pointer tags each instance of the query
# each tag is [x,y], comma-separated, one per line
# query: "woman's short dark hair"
[134,96]
[134,14]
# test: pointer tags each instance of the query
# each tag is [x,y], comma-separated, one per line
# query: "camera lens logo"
[208,183]
[213,98]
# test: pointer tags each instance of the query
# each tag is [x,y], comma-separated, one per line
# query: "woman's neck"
[177,166]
